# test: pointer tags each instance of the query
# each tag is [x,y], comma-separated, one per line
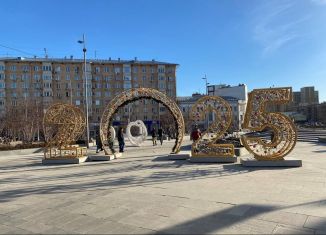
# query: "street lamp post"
[207,115]
[206,83]
[86,95]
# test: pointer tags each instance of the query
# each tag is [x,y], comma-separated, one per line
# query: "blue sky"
[256,42]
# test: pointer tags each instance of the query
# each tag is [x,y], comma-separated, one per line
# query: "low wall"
[322,139]
[21,151]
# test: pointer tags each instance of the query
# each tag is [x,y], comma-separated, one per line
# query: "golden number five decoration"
[205,145]
[258,119]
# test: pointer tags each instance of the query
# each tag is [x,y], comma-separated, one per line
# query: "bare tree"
[23,121]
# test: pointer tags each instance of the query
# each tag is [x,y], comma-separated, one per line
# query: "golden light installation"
[63,124]
[205,145]
[132,95]
[258,119]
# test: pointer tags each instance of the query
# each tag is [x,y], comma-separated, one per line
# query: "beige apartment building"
[44,81]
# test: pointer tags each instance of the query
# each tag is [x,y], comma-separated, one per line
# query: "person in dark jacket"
[160,135]
[99,145]
[154,136]
[121,140]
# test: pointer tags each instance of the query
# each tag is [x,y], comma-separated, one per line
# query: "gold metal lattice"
[258,119]
[63,124]
[205,145]
[133,95]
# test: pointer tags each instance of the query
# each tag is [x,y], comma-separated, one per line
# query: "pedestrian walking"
[121,140]
[160,135]
[169,133]
[99,145]
[154,136]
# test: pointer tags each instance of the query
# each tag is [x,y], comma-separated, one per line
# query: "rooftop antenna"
[95,54]
[46,53]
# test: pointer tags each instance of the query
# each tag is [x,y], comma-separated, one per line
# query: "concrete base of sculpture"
[182,155]
[287,162]
[213,159]
[101,157]
[240,151]
[50,161]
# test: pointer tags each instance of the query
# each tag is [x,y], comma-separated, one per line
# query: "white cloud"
[274,27]
[319,2]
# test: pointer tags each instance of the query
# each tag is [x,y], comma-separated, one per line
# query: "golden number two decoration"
[257,119]
[205,145]
[132,95]
[62,124]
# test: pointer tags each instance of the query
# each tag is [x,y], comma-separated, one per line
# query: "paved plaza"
[144,193]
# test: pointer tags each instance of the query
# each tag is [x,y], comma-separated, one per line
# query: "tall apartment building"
[308,95]
[46,81]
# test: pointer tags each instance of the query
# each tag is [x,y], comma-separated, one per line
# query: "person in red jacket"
[195,134]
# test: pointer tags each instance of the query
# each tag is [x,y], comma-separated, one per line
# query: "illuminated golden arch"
[133,95]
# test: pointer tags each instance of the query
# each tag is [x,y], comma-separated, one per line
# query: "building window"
[37,77]
[97,69]
[152,70]
[126,78]
[98,94]
[97,102]
[135,69]
[106,69]
[46,68]
[97,78]
[14,94]
[107,79]
[2,68]
[46,77]
[2,94]
[107,94]
[12,67]
[127,85]
[36,68]
[161,78]
[78,102]
[126,69]
[76,77]
[106,85]
[143,69]
[117,70]
[2,85]
[67,69]
[13,85]
[25,68]
[12,76]
[25,85]
[2,76]
[76,69]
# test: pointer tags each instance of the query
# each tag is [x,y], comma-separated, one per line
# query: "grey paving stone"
[284,229]
[239,210]
[34,227]
[318,223]
[144,193]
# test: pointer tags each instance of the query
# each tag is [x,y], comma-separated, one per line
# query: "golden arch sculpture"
[133,95]
[63,124]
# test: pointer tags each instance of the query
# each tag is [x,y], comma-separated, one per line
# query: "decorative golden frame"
[132,95]
[206,146]
[257,119]
[63,124]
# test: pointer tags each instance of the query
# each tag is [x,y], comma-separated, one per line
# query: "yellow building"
[44,81]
